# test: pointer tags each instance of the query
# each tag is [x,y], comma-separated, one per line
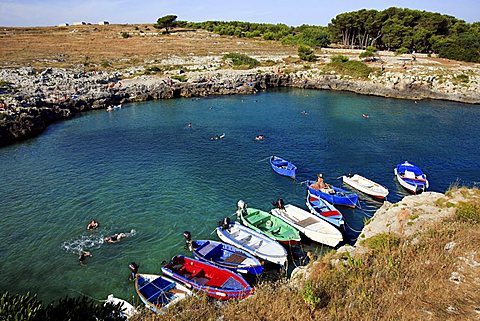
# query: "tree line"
[396,29]
[410,30]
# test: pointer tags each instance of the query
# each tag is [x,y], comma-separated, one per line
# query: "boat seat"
[210,250]
[235,258]
[308,221]
[257,220]
[196,274]
[409,174]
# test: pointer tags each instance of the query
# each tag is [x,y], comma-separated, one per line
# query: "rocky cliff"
[31,100]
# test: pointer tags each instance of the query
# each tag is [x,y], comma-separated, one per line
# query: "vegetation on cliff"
[27,307]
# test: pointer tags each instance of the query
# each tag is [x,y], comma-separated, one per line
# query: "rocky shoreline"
[31,100]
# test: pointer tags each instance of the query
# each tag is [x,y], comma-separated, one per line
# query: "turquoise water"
[141,170]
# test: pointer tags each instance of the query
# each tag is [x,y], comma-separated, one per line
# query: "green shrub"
[315,297]
[468,212]
[152,70]
[240,60]
[342,66]
[462,78]
[339,58]
[81,309]
[306,53]
[382,242]
[401,51]
[28,308]
[19,307]
[182,78]
[105,64]
[124,34]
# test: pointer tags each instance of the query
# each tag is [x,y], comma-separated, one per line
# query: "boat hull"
[269,225]
[324,210]
[214,281]
[253,242]
[158,292]
[366,186]
[310,225]
[411,178]
[340,197]
[283,167]
[226,256]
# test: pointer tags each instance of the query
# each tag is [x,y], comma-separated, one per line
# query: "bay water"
[142,171]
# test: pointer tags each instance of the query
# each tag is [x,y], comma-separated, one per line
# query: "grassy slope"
[398,279]
[67,46]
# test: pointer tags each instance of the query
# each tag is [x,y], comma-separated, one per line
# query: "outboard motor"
[241,207]
[188,240]
[280,204]
[419,190]
[134,269]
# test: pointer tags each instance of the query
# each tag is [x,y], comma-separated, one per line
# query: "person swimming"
[93,225]
[115,237]
[259,137]
[83,255]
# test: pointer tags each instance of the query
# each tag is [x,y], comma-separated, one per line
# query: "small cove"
[141,170]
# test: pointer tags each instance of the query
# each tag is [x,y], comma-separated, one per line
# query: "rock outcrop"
[36,99]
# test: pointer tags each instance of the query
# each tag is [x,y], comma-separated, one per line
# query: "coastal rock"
[67,92]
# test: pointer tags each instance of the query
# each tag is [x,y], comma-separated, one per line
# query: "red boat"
[216,282]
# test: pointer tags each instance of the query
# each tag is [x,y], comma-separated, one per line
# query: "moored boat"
[324,210]
[366,186]
[159,292]
[223,255]
[268,224]
[253,242]
[282,166]
[411,177]
[334,195]
[309,224]
[214,281]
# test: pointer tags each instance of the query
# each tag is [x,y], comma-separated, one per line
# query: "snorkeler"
[114,238]
[83,255]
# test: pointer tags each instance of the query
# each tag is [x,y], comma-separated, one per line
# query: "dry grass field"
[105,47]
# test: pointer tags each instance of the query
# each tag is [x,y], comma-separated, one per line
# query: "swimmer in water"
[83,255]
[92,225]
[115,237]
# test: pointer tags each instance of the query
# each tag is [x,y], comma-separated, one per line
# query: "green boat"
[269,225]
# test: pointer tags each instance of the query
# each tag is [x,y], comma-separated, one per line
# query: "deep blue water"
[141,170]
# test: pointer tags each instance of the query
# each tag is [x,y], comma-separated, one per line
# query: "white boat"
[253,242]
[309,224]
[159,292]
[126,308]
[366,186]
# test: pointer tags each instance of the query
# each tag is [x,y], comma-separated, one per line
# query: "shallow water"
[142,170]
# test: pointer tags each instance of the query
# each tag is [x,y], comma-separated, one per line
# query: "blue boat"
[159,292]
[411,177]
[282,166]
[324,210]
[334,195]
[224,255]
